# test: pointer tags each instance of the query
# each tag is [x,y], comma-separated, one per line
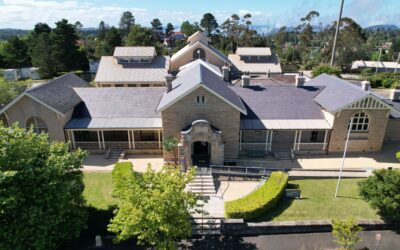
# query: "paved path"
[390,240]
[329,174]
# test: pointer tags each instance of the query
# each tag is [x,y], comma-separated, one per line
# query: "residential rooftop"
[135,51]
[253,51]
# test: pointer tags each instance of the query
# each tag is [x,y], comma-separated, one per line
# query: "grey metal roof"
[253,51]
[337,93]
[58,93]
[285,124]
[117,108]
[110,70]
[135,51]
[279,102]
[195,76]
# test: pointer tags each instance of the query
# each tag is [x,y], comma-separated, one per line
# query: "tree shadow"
[348,197]
[217,242]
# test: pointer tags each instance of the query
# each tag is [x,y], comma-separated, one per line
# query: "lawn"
[318,202]
[98,186]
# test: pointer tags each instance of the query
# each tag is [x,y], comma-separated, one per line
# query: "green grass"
[318,202]
[98,186]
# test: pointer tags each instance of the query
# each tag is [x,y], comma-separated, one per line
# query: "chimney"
[366,85]
[168,82]
[225,72]
[394,94]
[300,80]
[245,79]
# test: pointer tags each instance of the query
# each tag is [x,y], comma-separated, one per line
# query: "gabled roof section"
[253,51]
[135,51]
[200,76]
[198,36]
[57,95]
[210,66]
[208,48]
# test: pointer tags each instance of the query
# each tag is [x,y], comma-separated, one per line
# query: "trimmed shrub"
[259,201]
[323,68]
[121,175]
[398,155]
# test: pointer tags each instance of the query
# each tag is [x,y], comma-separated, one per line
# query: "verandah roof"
[309,124]
[114,123]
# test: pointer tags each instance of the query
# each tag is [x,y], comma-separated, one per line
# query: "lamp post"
[336,34]
[344,157]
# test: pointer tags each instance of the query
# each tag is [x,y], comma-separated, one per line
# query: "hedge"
[259,201]
[121,175]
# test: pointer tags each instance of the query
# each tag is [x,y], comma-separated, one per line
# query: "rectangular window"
[201,99]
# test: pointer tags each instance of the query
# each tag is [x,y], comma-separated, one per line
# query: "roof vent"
[246,79]
[168,82]
[366,85]
[395,94]
[300,80]
[225,72]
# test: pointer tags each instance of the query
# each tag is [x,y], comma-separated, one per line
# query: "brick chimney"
[366,85]
[246,79]
[168,82]
[300,80]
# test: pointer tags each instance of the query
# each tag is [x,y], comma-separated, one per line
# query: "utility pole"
[344,156]
[379,60]
[336,34]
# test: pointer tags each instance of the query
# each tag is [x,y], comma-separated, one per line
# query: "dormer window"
[201,99]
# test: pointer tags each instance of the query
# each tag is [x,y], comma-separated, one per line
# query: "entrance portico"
[201,141]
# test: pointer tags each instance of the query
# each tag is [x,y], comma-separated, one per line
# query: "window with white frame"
[38,125]
[360,122]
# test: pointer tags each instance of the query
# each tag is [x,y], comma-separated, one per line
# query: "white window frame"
[35,127]
[361,122]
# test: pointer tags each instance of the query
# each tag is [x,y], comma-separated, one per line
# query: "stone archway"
[203,131]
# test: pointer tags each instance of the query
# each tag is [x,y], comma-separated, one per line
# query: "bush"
[346,232]
[398,155]
[382,191]
[260,201]
[385,79]
[120,175]
[323,68]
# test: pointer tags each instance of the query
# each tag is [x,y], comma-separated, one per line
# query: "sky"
[24,14]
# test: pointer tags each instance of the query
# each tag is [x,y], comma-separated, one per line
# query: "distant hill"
[6,33]
[383,27]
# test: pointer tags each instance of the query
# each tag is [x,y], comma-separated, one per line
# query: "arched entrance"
[201,153]
[201,143]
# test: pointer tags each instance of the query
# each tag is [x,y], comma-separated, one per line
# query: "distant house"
[132,67]
[30,72]
[11,74]
[382,66]
[256,61]
[175,36]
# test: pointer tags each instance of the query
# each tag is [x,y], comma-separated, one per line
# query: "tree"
[170,144]
[65,52]
[346,232]
[126,22]
[111,40]
[153,207]
[42,56]
[170,28]
[15,53]
[102,30]
[382,191]
[189,29]
[323,68]
[78,28]
[41,186]
[9,90]
[140,36]
[157,29]
[209,23]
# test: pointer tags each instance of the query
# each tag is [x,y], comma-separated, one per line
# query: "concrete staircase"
[116,154]
[205,221]
[284,155]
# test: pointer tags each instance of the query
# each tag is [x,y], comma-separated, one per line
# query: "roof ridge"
[50,81]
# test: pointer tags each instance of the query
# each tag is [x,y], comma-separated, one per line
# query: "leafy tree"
[189,29]
[323,68]
[40,28]
[171,145]
[42,56]
[15,53]
[140,36]
[9,90]
[102,30]
[170,28]
[209,23]
[78,28]
[65,52]
[153,207]
[346,232]
[157,29]
[126,22]
[382,191]
[41,187]
[111,40]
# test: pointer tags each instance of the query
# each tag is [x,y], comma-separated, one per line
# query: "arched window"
[199,54]
[360,122]
[37,124]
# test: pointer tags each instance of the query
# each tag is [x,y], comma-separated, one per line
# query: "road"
[390,240]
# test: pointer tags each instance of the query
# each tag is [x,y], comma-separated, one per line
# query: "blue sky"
[25,13]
